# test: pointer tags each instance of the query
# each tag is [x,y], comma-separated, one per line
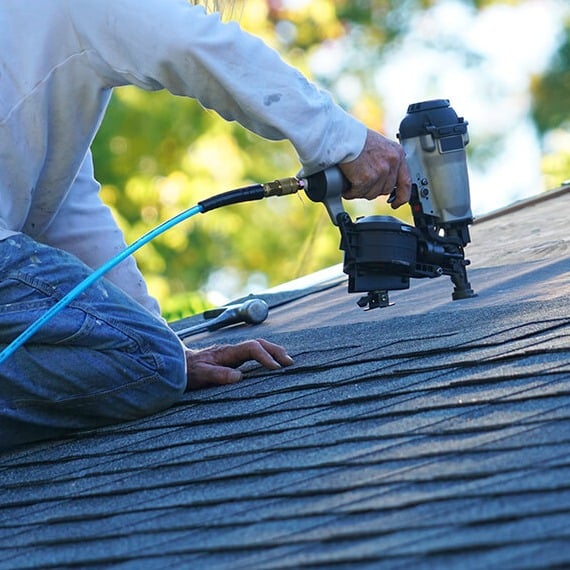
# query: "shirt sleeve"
[174,45]
[85,227]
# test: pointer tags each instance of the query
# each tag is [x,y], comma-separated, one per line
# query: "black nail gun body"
[382,253]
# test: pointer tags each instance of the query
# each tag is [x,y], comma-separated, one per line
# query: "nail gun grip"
[327,187]
[326,184]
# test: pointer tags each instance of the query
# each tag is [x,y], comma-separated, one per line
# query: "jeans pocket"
[26,299]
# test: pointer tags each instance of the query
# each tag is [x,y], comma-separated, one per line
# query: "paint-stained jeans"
[101,360]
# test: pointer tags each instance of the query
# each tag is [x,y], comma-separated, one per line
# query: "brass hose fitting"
[282,187]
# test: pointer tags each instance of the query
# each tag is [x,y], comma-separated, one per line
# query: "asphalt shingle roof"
[429,434]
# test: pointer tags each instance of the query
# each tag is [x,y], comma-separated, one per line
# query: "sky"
[506,44]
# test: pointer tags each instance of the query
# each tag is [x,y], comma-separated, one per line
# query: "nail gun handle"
[327,186]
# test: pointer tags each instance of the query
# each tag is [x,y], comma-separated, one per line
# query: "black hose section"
[246,194]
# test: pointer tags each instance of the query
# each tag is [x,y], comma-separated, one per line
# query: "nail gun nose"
[252,311]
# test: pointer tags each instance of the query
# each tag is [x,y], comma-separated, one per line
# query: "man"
[109,356]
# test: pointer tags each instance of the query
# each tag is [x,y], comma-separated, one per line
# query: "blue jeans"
[101,360]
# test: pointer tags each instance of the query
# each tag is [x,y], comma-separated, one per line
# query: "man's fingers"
[217,365]
[202,374]
[277,353]
[403,187]
[379,169]
[270,355]
[217,375]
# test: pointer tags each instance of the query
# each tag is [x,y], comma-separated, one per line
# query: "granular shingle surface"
[429,434]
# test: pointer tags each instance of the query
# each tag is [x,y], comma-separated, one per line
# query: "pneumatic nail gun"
[382,253]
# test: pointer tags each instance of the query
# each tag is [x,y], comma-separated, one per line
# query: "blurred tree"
[157,155]
[551,100]
[551,112]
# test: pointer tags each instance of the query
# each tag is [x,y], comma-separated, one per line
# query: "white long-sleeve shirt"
[60,60]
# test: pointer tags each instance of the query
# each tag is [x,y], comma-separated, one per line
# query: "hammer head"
[252,311]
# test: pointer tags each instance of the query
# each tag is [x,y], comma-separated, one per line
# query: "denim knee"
[151,375]
[171,378]
[87,388]
[101,360]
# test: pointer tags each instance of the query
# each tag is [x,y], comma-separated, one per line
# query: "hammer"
[252,311]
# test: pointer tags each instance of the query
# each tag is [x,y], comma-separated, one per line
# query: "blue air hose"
[91,278]
[246,194]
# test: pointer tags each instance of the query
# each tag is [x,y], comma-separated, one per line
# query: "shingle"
[430,434]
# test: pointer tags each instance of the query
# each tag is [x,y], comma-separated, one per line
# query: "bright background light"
[483,62]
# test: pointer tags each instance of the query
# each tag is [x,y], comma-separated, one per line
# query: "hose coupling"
[282,187]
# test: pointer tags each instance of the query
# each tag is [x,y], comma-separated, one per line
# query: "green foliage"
[551,100]
[551,111]
[556,168]
[384,21]
[157,155]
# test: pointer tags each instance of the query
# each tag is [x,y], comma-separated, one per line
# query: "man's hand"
[380,168]
[217,364]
